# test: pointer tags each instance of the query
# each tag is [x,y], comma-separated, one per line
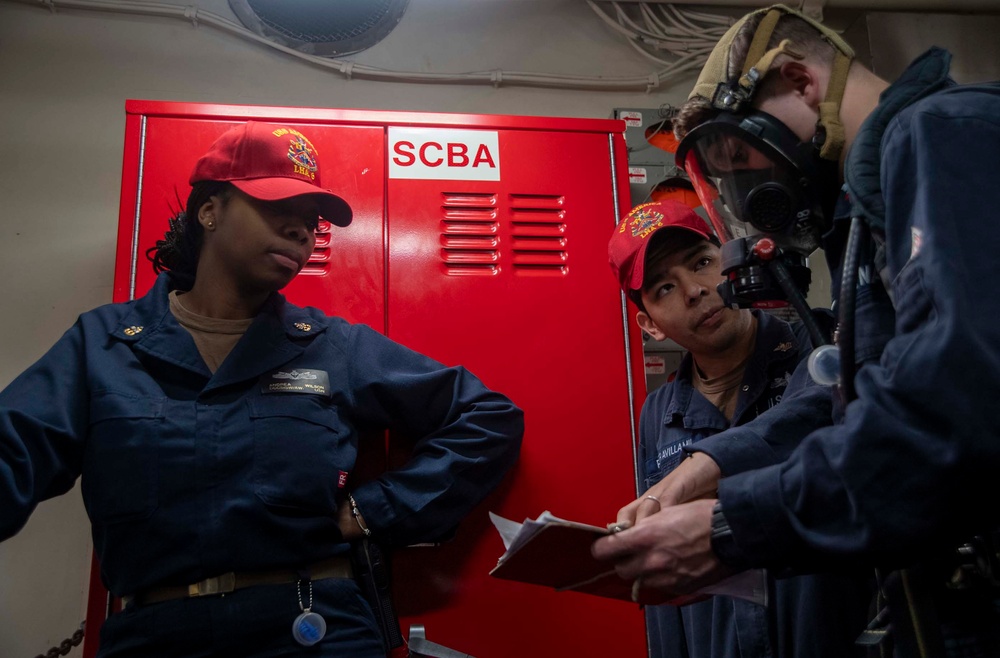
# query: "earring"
[210,224]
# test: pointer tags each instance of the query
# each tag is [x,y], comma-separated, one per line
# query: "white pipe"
[951,6]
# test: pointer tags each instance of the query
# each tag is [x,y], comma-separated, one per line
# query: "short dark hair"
[178,251]
[806,41]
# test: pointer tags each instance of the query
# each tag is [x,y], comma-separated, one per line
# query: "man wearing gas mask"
[780,119]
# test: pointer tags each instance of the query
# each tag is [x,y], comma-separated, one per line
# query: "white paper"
[748,585]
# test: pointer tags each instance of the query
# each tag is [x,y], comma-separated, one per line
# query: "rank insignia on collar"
[132,331]
[303,326]
[783,347]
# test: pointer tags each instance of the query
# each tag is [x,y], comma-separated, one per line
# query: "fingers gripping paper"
[555,553]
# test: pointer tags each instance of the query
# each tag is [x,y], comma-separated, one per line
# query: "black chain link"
[66,645]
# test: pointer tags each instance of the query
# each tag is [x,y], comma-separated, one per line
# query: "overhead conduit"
[873,5]
[654,29]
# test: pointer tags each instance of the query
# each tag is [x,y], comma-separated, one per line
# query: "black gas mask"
[769,197]
[756,178]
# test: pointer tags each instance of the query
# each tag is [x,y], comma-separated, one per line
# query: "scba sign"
[440,154]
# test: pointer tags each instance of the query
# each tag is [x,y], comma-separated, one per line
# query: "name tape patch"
[314,382]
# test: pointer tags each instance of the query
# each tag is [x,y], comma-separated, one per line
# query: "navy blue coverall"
[911,471]
[189,475]
[807,616]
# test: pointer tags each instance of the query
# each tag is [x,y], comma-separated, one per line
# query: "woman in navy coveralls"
[215,426]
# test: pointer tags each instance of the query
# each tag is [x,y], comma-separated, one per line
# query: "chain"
[66,645]
[298,588]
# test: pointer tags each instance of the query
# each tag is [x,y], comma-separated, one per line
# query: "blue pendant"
[308,628]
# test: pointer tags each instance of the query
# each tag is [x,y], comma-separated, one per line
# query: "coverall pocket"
[120,474]
[300,449]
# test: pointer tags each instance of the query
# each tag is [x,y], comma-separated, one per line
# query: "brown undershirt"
[723,391]
[213,337]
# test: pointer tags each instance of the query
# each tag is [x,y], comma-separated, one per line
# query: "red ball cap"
[270,162]
[627,249]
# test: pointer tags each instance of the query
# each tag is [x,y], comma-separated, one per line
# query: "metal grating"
[471,234]
[538,234]
[470,242]
[319,262]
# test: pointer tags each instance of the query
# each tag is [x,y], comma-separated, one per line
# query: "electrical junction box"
[648,135]
[652,174]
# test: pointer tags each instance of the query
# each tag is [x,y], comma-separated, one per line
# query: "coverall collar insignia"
[146,314]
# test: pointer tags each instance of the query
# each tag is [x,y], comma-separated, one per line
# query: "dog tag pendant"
[308,628]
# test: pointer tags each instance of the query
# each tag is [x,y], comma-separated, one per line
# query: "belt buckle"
[218,585]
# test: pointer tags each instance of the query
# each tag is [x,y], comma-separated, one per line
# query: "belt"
[335,567]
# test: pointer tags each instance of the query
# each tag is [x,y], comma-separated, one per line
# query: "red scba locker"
[481,241]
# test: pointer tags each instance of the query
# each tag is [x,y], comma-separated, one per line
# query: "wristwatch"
[720,527]
[723,543]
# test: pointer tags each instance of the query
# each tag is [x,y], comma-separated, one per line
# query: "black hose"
[857,235]
[816,335]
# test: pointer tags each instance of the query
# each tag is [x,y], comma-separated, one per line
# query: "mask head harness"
[728,95]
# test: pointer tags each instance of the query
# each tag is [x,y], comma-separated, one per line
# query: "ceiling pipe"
[951,6]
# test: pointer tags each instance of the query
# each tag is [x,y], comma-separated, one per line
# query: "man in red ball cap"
[738,366]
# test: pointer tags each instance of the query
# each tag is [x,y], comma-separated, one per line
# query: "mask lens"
[727,226]
[745,185]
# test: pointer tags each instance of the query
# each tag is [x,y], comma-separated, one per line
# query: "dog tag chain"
[309,627]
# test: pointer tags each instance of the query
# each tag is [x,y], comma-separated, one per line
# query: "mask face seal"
[754,177]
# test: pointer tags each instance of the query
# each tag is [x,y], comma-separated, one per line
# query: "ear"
[646,323]
[804,80]
[206,213]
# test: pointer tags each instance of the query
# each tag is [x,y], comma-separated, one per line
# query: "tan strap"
[334,567]
[761,37]
[829,109]
[764,64]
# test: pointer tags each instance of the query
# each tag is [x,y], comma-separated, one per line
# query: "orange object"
[663,138]
[675,189]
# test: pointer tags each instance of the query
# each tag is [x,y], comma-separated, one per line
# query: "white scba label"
[443,154]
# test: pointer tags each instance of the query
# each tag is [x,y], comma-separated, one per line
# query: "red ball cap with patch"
[270,162]
[627,248]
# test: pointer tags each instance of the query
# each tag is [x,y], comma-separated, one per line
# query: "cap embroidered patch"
[645,221]
[300,151]
[627,247]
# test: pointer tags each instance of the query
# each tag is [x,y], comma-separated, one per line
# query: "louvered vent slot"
[319,261]
[538,234]
[469,239]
